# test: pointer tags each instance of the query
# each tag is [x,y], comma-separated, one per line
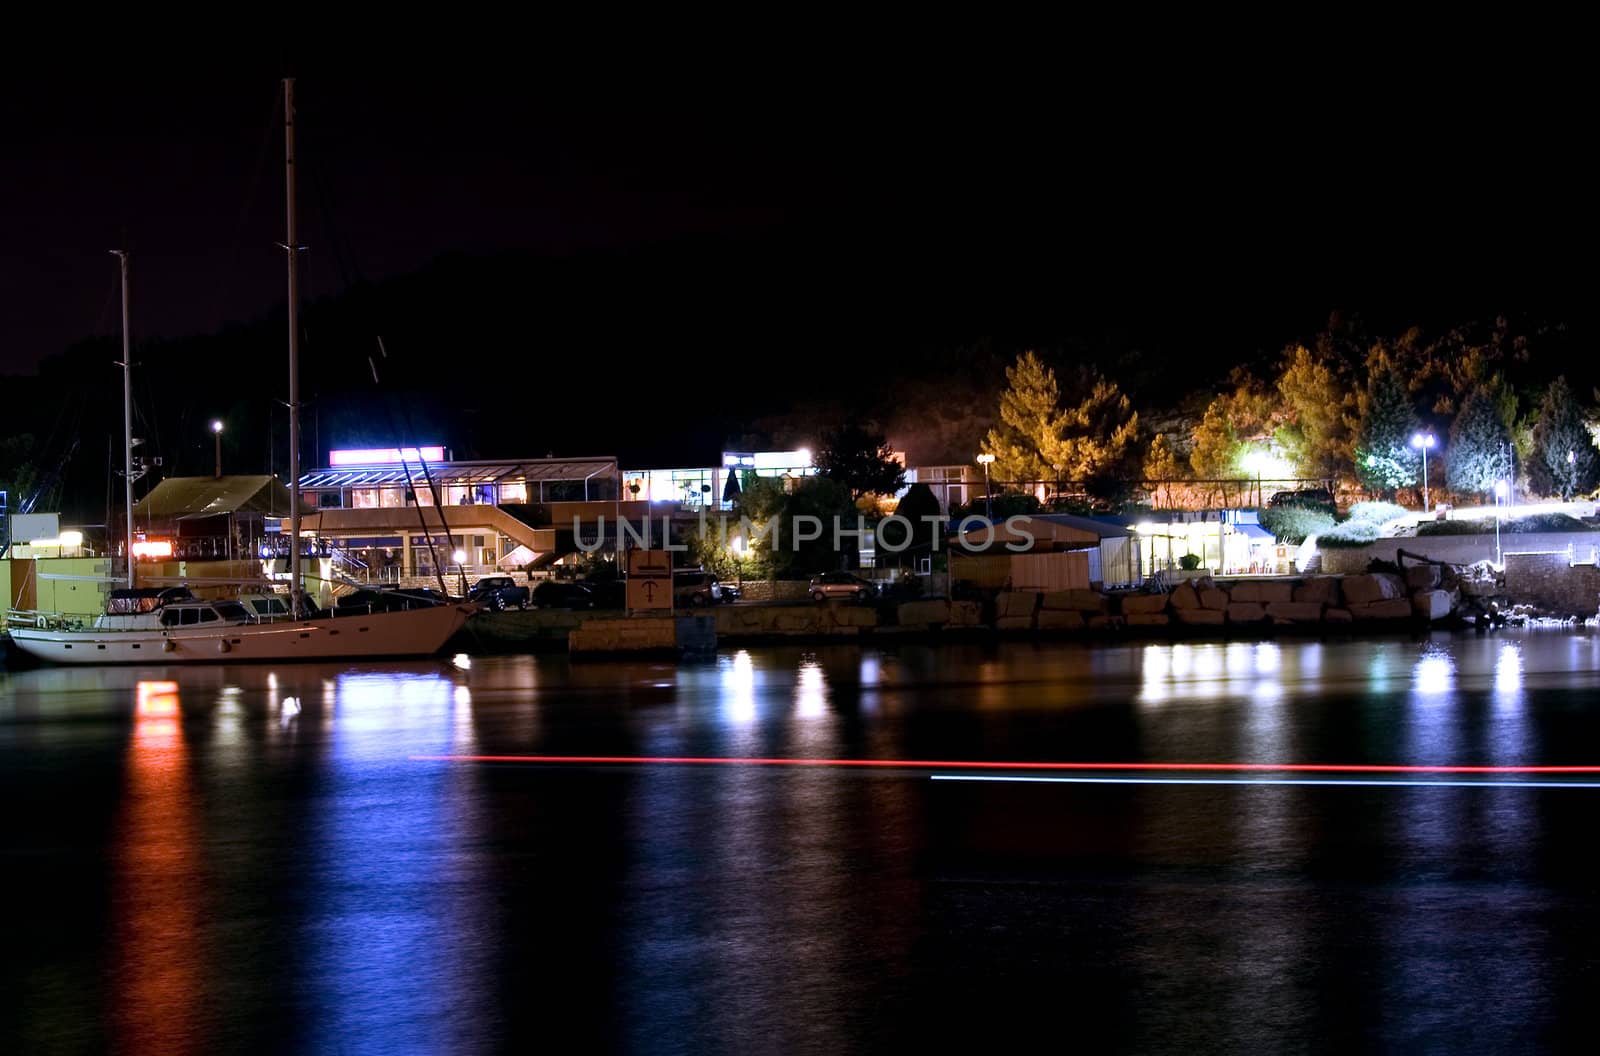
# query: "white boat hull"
[409,632]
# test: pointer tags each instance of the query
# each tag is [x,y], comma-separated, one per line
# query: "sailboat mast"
[127,414]
[292,246]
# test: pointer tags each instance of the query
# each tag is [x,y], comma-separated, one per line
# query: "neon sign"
[381,456]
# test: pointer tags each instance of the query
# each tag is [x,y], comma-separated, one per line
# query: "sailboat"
[173,626]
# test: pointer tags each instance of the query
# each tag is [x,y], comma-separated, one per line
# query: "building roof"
[459,473]
[1038,532]
[1102,527]
[189,498]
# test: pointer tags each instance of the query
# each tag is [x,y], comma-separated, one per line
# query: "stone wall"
[1462,549]
[1554,583]
[775,589]
[624,635]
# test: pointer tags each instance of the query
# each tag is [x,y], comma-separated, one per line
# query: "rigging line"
[344,258]
[103,324]
[224,274]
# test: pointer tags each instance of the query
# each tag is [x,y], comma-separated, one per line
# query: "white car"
[842,585]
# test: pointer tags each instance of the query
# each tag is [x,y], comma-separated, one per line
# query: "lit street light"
[1501,490]
[1256,463]
[216,432]
[988,497]
[1423,441]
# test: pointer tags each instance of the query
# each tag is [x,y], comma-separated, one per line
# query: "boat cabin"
[196,613]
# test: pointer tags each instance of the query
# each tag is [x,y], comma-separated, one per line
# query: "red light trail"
[975,764]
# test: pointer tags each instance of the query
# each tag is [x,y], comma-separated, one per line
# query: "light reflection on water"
[158,896]
[402,918]
[745,897]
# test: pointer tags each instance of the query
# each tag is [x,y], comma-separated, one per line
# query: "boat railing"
[38,619]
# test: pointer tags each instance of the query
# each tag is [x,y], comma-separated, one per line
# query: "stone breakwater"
[1423,595]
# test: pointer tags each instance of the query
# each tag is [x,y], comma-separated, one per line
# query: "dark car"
[608,593]
[556,594]
[1307,498]
[499,593]
[731,593]
[691,588]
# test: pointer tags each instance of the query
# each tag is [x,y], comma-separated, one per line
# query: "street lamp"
[988,497]
[1501,490]
[1256,462]
[1423,441]
[216,432]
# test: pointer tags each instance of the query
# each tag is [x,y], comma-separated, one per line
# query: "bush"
[1291,524]
[1350,535]
[1006,504]
[1539,522]
[1454,527]
[1376,512]
[1189,562]
[1551,522]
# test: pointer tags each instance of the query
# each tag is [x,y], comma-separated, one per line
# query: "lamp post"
[1423,441]
[988,497]
[1254,462]
[216,433]
[1501,490]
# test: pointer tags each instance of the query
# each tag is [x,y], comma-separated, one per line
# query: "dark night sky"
[926,203]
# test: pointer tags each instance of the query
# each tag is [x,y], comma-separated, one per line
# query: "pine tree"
[1161,464]
[1479,453]
[1564,461]
[1384,457]
[860,458]
[1029,408]
[1315,395]
[1247,414]
[1036,435]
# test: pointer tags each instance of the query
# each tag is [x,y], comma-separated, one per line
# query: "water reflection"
[159,897]
[1212,671]
[400,938]
[351,895]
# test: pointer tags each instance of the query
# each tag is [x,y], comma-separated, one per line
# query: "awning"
[518,556]
[446,474]
[1255,533]
[186,498]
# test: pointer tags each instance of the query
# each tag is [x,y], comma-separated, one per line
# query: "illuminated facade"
[712,487]
[1227,542]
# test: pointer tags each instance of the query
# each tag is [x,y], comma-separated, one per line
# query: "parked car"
[1309,498]
[842,585]
[556,594]
[731,593]
[608,593]
[499,593]
[692,588]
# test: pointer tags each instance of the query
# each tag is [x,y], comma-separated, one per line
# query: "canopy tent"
[193,498]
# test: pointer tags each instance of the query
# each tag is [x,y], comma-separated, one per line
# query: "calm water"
[194,863]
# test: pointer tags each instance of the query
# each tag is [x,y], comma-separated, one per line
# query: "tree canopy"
[1039,438]
[860,459]
[1384,456]
[1563,461]
[1480,446]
